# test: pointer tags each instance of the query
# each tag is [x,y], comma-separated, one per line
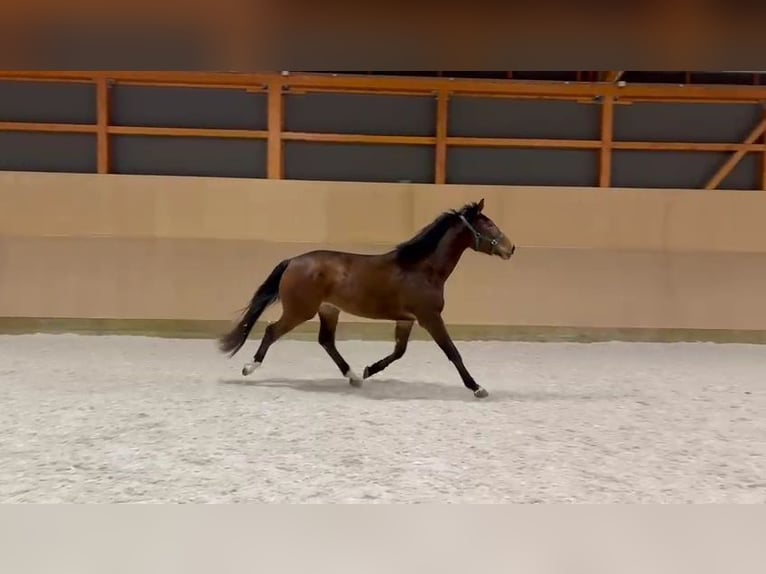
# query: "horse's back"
[360,284]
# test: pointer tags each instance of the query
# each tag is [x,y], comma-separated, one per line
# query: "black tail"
[267,294]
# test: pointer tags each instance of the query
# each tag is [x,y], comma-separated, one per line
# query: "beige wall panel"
[717,221]
[195,248]
[203,279]
[367,213]
[242,209]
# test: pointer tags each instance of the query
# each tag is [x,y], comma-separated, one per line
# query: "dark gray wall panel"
[30,151]
[214,157]
[664,169]
[360,114]
[359,162]
[500,117]
[504,166]
[46,102]
[729,123]
[187,108]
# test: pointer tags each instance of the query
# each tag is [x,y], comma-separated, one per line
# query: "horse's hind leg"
[328,322]
[286,323]
[402,337]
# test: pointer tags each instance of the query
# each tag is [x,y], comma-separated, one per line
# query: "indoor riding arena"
[620,342]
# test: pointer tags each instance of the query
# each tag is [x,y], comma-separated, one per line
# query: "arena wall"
[191,250]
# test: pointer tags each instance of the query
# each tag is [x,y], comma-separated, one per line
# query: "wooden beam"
[370,84]
[607,131]
[274,157]
[187,132]
[442,117]
[685,146]
[735,158]
[45,127]
[523,143]
[358,138]
[542,143]
[358,91]
[9,76]
[255,88]
[763,156]
[102,123]
[536,89]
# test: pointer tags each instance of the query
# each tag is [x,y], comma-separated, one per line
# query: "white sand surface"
[134,419]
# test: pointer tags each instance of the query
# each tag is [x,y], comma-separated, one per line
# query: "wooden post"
[735,158]
[607,130]
[442,107]
[275,161]
[102,125]
[763,154]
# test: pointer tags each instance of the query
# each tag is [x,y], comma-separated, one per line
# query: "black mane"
[424,243]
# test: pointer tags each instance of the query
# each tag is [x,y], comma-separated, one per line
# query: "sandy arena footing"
[136,419]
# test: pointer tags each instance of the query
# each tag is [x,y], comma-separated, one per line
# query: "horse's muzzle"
[507,253]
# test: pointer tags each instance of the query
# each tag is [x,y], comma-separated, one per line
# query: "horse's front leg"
[434,324]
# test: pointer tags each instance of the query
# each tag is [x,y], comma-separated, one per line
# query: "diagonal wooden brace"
[736,157]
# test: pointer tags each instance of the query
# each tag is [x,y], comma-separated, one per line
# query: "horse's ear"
[480,205]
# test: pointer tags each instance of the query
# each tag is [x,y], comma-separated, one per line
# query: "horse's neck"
[447,255]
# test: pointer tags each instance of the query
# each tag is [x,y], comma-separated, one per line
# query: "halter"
[477,237]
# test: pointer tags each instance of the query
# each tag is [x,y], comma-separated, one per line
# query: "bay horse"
[403,285]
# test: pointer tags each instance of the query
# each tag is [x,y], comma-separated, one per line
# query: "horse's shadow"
[374,389]
[398,390]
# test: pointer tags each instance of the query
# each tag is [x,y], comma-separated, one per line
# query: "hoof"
[249,368]
[353,379]
[366,373]
[481,393]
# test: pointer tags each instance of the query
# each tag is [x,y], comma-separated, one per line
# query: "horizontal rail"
[685,146]
[358,138]
[460,141]
[457,141]
[187,132]
[47,127]
[412,85]
[523,143]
